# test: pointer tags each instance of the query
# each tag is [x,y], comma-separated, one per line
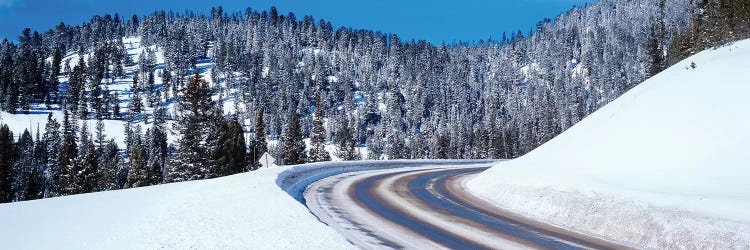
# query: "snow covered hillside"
[663,166]
[243,211]
[119,87]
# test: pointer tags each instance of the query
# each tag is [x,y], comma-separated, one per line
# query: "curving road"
[427,207]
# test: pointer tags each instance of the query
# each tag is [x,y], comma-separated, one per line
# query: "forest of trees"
[298,79]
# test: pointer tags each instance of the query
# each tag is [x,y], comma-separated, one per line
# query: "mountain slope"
[243,211]
[662,166]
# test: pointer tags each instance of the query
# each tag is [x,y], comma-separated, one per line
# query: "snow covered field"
[243,211]
[664,166]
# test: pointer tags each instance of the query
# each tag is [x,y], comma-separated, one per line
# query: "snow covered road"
[427,207]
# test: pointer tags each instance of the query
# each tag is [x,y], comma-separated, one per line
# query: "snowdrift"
[243,211]
[666,165]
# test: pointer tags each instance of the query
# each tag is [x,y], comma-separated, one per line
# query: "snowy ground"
[663,166]
[244,211]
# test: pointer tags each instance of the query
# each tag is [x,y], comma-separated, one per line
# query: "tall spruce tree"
[7,158]
[53,74]
[35,189]
[25,174]
[110,167]
[293,142]
[87,177]
[230,155]
[136,101]
[346,147]
[260,145]
[138,175]
[76,85]
[192,159]
[69,168]
[157,147]
[318,152]
[53,142]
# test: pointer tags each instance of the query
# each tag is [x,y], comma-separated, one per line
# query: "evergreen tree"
[318,152]
[293,143]
[192,160]
[110,167]
[69,168]
[153,93]
[26,183]
[36,186]
[166,81]
[7,158]
[76,83]
[138,176]
[397,147]
[87,177]
[8,86]
[230,155]
[655,45]
[346,148]
[53,141]
[116,106]
[136,102]
[260,145]
[53,74]
[157,147]
[441,146]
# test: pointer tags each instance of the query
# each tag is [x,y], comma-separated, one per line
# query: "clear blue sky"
[435,20]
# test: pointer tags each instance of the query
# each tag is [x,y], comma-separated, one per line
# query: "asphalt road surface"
[427,207]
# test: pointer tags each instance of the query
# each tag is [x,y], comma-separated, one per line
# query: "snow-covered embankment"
[664,166]
[243,211]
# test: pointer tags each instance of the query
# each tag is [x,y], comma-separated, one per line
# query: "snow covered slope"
[666,165]
[243,211]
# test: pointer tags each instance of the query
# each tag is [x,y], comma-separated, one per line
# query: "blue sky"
[435,20]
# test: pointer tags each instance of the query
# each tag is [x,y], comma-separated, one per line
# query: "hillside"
[663,166]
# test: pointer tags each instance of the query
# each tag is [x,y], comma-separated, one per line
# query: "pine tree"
[8,87]
[116,106]
[192,159]
[69,168]
[138,176]
[97,101]
[260,145]
[109,168]
[294,145]
[166,81]
[53,141]
[87,178]
[36,186]
[83,107]
[655,46]
[76,83]
[441,146]
[318,152]
[346,148]
[7,158]
[230,155]
[153,93]
[397,147]
[157,147]
[136,101]
[54,72]
[25,174]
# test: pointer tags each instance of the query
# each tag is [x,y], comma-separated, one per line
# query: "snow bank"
[664,166]
[244,211]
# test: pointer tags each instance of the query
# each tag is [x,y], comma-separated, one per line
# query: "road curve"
[427,207]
